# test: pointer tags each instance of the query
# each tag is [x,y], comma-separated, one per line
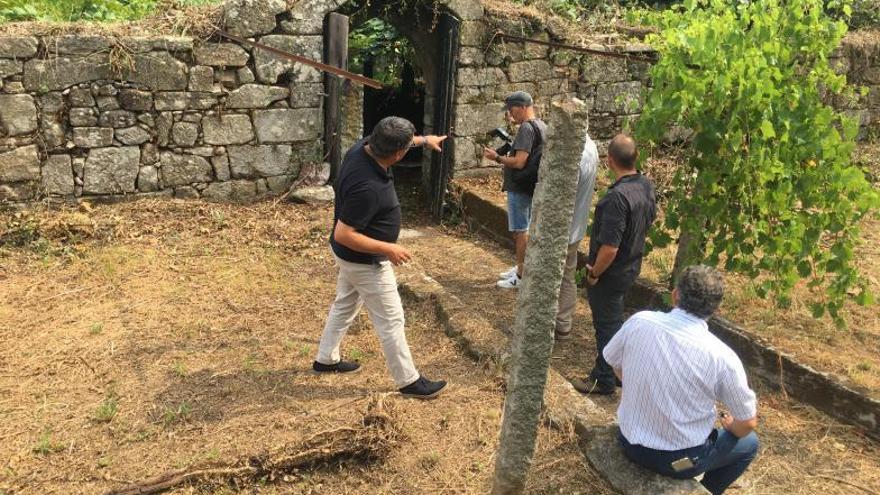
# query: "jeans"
[723,458]
[519,211]
[606,304]
[376,287]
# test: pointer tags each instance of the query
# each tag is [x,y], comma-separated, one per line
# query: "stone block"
[117,119]
[478,119]
[18,47]
[185,133]
[604,69]
[286,125]
[201,78]
[53,135]
[255,96]
[10,67]
[227,129]
[108,89]
[270,67]
[480,76]
[81,97]
[244,76]
[133,99]
[251,17]
[220,163]
[58,175]
[279,184]
[466,10]
[92,137]
[186,192]
[234,190]
[623,97]
[148,179]
[19,191]
[141,44]
[51,102]
[530,70]
[111,170]
[259,161]
[312,195]
[83,117]
[20,164]
[107,103]
[178,170]
[76,44]
[158,71]
[18,115]
[467,153]
[206,151]
[63,72]
[552,87]
[221,55]
[307,16]
[306,95]
[470,55]
[474,33]
[133,135]
[149,153]
[172,100]
[202,101]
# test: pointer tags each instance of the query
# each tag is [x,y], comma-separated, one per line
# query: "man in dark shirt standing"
[366,224]
[617,244]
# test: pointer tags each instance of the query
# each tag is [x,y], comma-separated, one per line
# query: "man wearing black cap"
[520,176]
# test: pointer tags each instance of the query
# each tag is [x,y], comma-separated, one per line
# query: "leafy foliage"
[768,186]
[378,40]
[82,10]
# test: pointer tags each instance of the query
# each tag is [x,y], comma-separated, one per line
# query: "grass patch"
[107,410]
[46,444]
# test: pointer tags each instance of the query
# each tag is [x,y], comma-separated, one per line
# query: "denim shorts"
[519,211]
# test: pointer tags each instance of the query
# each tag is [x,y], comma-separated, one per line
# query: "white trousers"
[376,287]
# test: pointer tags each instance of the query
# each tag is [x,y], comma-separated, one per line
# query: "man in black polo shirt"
[617,244]
[366,223]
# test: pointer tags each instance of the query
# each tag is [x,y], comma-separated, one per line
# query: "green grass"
[82,10]
[107,410]
[46,445]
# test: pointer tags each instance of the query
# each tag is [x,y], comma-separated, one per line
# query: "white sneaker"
[509,273]
[510,283]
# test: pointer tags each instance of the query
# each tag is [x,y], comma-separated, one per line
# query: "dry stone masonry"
[98,116]
[175,116]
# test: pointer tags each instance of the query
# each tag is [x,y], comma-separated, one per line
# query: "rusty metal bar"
[573,48]
[366,81]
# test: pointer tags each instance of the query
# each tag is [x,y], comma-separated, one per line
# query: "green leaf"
[767,130]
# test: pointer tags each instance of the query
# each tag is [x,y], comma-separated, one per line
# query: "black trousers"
[606,304]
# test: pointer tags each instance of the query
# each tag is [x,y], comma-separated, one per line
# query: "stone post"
[538,297]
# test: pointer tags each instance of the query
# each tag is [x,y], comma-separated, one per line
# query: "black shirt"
[622,219]
[525,140]
[366,201]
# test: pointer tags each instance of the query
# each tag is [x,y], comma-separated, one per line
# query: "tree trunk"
[538,298]
[689,252]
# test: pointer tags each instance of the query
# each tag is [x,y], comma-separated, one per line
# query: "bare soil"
[144,337]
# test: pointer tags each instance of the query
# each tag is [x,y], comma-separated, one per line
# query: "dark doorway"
[412,49]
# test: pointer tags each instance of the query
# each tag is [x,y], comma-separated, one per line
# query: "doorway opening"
[412,49]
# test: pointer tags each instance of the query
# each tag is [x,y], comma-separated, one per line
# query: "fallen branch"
[370,440]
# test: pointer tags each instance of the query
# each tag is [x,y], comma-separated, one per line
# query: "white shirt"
[674,370]
[588,167]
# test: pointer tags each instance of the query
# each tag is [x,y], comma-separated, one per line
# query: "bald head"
[622,150]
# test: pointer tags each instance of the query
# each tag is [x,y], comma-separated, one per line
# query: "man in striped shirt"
[674,371]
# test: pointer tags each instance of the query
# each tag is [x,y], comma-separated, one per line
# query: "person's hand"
[490,154]
[434,142]
[726,420]
[397,254]
[591,280]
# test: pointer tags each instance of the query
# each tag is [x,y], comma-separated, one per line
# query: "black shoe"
[591,386]
[340,367]
[617,382]
[423,389]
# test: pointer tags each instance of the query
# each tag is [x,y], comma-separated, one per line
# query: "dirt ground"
[151,336]
[803,451]
[851,353]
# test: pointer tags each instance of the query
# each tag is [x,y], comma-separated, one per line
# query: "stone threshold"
[777,369]
[564,408]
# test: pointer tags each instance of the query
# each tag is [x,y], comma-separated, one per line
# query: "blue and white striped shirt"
[674,371]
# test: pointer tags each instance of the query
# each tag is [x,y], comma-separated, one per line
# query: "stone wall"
[91,116]
[613,88]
